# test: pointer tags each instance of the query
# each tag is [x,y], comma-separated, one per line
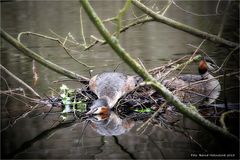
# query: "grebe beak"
[103,110]
[211,64]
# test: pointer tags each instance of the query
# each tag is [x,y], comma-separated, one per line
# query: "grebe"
[195,89]
[109,87]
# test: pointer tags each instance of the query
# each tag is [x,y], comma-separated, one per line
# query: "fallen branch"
[114,43]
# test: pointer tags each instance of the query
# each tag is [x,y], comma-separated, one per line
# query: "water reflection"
[110,125]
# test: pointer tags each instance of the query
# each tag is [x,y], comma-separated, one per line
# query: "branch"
[182,26]
[62,44]
[123,29]
[224,18]
[120,15]
[114,43]
[20,81]
[223,116]
[40,59]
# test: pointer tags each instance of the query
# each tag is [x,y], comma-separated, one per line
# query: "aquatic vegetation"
[70,102]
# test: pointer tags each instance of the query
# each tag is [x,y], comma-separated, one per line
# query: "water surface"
[154,43]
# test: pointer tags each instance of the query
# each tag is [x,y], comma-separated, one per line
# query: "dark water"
[153,43]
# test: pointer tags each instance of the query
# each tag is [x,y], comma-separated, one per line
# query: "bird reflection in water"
[110,124]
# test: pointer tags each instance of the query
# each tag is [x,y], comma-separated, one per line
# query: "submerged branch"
[40,136]
[40,59]
[114,43]
[182,26]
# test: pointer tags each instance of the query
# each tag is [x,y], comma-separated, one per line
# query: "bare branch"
[40,59]
[182,26]
[20,81]
[62,44]
[195,14]
[222,118]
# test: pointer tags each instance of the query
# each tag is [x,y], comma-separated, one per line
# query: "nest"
[140,104]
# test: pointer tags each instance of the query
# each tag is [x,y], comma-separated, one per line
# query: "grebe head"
[99,107]
[202,67]
[206,64]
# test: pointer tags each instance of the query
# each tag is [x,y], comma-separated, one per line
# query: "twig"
[40,59]
[167,65]
[167,7]
[14,97]
[65,80]
[70,41]
[62,44]
[180,66]
[12,90]
[226,59]
[81,24]
[192,13]
[123,29]
[20,81]
[202,51]
[224,18]
[20,95]
[153,116]
[182,26]
[20,117]
[133,13]
[119,17]
[206,80]
[190,59]
[6,100]
[185,132]
[35,75]
[222,118]
[141,63]
[217,7]
[84,64]
[97,39]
